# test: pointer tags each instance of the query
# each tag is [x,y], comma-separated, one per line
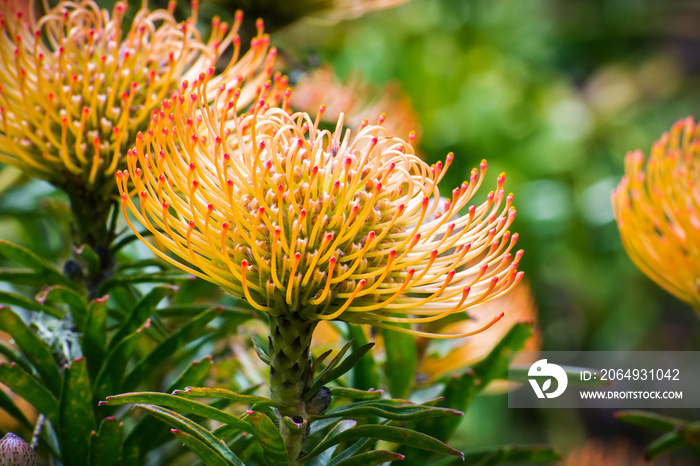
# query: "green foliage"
[678,433]
[125,342]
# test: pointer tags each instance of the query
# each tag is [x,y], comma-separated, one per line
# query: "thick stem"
[91,225]
[290,362]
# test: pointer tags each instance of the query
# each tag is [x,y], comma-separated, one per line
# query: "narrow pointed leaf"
[203,392]
[650,420]
[405,412]
[95,336]
[356,394]
[206,453]
[667,442]
[33,347]
[14,356]
[87,257]
[9,406]
[179,404]
[338,367]
[29,388]
[133,279]
[149,433]
[25,303]
[398,435]
[355,448]
[106,443]
[365,374]
[73,299]
[185,334]
[111,375]
[371,458]
[76,414]
[267,433]
[20,276]
[180,422]
[401,362]
[142,311]
[509,453]
[27,258]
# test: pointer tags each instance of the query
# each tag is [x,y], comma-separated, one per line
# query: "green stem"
[91,225]
[290,363]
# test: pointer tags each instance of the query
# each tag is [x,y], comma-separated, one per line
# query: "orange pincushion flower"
[315,225]
[78,83]
[657,211]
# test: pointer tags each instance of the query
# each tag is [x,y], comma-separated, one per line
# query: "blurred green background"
[554,93]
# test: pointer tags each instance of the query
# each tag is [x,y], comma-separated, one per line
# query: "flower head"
[315,224]
[657,207]
[78,83]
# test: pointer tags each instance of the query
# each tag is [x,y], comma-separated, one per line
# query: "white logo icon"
[542,369]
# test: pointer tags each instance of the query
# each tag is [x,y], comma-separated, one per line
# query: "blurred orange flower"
[657,207]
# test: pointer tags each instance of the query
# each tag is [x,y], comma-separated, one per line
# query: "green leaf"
[142,311]
[29,388]
[355,394]
[76,415]
[267,433]
[195,374]
[372,458]
[106,443]
[147,433]
[33,348]
[95,335]
[27,258]
[8,405]
[353,449]
[190,310]
[650,420]
[25,303]
[181,423]
[667,442]
[325,458]
[88,258]
[180,404]
[111,375]
[338,367]
[20,276]
[365,374]
[73,299]
[206,453]
[136,278]
[398,435]
[14,356]
[509,453]
[185,334]
[406,411]
[401,362]
[203,392]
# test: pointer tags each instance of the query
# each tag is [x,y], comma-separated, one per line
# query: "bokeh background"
[552,92]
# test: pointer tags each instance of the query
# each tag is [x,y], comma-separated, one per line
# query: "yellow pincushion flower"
[314,224]
[657,205]
[77,83]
